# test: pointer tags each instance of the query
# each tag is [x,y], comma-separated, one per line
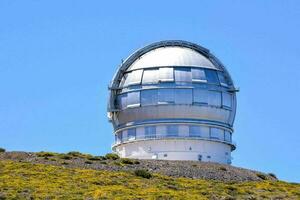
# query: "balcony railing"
[130,139]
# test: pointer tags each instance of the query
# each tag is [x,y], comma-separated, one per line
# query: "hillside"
[74,175]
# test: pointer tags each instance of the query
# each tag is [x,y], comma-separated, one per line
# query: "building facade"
[173,100]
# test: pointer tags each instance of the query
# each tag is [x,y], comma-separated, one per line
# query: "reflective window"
[200,96]
[165,96]
[198,75]
[211,76]
[183,96]
[149,97]
[204,131]
[222,79]
[216,133]
[131,134]
[227,136]
[226,99]
[123,80]
[150,76]
[150,132]
[172,130]
[133,99]
[122,101]
[135,77]
[194,131]
[183,74]
[119,137]
[166,74]
[214,98]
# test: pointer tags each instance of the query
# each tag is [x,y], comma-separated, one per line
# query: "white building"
[173,100]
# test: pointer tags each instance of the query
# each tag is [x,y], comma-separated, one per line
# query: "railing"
[160,136]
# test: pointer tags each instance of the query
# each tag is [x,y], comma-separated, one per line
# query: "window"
[204,130]
[133,99]
[199,157]
[222,79]
[183,96]
[166,74]
[150,76]
[183,74]
[122,101]
[216,133]
[123,80]
[198,75]
[119,137]
[200,96]
[211,76]
[149,97]
[214,98]
[165,96]
[135,77]
[227,136]
[172,130]
[194,131]
[131,134]
[226,99]
[150,132]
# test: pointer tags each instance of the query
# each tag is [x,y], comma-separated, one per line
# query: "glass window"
[123,80]
[122,101]
[150,76]
[194,131]
[133,99]
[131,134]
[227,136]
[216,133]
[198,75]
[214,98]
[166,74]
[226,99]
[204,131]
[222,79]
[165,96]
[183,74]
[183,96]
[119,137]
[150,132]
[149,97]
[172,130]
[211,76]
[200,96]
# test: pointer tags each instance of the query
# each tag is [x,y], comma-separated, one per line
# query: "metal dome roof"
[172,53]
[172,56]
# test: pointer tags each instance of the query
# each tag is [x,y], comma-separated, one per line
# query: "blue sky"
[57,59]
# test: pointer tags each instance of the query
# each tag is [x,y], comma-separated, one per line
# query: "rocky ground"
[188,169]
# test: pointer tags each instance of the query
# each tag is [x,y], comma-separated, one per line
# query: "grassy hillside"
[24,180]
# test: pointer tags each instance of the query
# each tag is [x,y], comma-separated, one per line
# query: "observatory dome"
[173,100]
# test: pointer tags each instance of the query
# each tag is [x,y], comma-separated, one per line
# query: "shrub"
[223,169]
[77,154]
[88,162]
[112,156]
[96,158]
[272,175]
[65,157]
[2,150]
[127,161]
[262,176]
[143,173]
[45,154]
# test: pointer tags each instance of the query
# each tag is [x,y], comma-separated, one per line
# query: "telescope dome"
[173,100]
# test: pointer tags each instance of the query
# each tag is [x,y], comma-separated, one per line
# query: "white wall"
[171,149]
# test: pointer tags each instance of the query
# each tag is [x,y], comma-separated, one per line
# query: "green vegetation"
[273,175]
[112,156]
[2,150]
[22,180]
[143,173]
[262,176]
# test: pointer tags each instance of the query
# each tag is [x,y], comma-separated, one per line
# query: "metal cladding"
[172,90]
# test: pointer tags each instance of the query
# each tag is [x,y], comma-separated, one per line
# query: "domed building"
[173,100]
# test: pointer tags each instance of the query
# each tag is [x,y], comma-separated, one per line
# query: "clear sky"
[58,57]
